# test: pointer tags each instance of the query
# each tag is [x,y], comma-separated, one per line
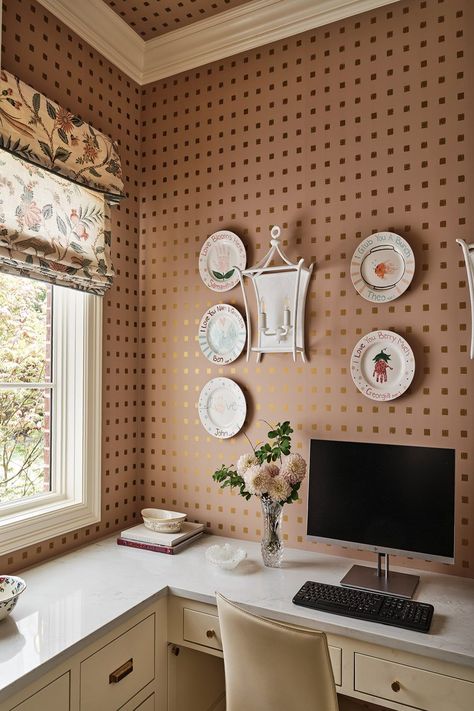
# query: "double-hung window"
[58,178]
[50,404]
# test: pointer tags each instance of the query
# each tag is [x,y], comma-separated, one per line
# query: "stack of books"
[170,543]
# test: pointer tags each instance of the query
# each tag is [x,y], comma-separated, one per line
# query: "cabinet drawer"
[54,697]
[111,676]
[416,688]
[201,628]
[147,705]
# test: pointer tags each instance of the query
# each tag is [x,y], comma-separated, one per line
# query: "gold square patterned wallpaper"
[46,54]
[356,127]
[352,128]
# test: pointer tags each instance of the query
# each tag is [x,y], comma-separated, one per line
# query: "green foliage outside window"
[24,411]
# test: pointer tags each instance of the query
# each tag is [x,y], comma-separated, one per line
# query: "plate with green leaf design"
[221,253]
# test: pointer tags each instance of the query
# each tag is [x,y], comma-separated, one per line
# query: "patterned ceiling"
[151,18]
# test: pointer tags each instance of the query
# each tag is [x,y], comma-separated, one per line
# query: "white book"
[140,533]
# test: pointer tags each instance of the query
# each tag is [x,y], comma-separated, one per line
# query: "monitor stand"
[380,580]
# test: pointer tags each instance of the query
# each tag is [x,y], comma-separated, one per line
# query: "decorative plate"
[222,334]
[222,407]
[382,267]
[382,365]
[220,254]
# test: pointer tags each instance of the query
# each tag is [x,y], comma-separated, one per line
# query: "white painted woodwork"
[239,29]
[76,432]
[138,644]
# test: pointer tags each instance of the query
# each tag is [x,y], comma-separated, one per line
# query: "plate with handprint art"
[222,255]
[382,365]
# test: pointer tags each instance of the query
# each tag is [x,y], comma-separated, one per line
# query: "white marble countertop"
[76,597]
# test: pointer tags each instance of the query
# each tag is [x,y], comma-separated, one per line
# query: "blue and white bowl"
[11,588]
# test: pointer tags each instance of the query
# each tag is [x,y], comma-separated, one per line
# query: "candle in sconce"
[286,313]
[263,316]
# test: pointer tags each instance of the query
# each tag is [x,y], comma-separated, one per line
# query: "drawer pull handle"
[121,672]
[396,686]
[210,634]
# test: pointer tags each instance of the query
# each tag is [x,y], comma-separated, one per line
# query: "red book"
[169,550]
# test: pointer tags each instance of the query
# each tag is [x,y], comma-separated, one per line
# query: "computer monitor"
[385,498]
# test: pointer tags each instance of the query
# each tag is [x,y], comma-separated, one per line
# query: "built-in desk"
[80,604]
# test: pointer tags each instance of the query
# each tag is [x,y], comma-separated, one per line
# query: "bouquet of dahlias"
[258,473]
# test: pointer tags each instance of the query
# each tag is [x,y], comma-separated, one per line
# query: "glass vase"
[272,546]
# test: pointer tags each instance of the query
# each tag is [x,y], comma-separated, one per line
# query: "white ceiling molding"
[230,32]
[104,30]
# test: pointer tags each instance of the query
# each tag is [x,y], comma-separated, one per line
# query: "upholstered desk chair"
[273,666]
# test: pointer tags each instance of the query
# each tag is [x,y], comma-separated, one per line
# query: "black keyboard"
[365,605]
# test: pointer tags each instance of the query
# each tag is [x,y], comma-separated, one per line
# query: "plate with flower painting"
[220,254]
[222,334]
[382,365]
[222,407]
[382,267]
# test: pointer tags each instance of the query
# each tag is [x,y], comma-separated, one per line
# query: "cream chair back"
[273,666]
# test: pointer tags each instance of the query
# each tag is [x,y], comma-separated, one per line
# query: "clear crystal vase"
[272,546]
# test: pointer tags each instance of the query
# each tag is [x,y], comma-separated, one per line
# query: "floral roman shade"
[58,178]
[52,229]
[41,132]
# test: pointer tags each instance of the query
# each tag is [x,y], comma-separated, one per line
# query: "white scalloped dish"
[227,557]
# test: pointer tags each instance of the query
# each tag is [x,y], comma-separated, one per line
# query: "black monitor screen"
[383,497]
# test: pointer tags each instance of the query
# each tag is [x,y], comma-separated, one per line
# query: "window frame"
[76,414]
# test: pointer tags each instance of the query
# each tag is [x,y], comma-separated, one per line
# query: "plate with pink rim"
[382,267]
[220,254]
[222,407]
[382,365]
[222,334]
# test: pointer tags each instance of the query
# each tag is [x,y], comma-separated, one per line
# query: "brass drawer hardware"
[210,634]
[121,672]
[396,686]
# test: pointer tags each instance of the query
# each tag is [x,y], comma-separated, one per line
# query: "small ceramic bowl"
[227,557]
[11,588]
[163,521]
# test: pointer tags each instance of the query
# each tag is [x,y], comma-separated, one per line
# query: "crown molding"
[240,29]
[104,30]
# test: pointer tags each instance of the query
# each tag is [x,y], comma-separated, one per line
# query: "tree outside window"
[25,387]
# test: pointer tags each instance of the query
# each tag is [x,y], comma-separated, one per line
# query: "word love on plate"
[222,334]
[222,408]
[382,365]
[220,254]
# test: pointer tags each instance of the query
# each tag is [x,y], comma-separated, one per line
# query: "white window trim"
[74,501]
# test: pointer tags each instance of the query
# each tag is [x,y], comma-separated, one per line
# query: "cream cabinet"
[369,672]
[54,696]
[125,668]
[119,670]
[168,657]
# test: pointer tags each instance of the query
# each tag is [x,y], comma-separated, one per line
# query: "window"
[50,405]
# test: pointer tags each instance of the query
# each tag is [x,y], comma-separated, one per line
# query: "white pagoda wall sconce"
[280,296]
[468,252]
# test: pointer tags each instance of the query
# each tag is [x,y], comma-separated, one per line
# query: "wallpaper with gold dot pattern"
[352,128]
[151,18]
[356,127]
[46,54]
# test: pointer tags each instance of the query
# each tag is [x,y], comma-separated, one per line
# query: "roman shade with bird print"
[58,179]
